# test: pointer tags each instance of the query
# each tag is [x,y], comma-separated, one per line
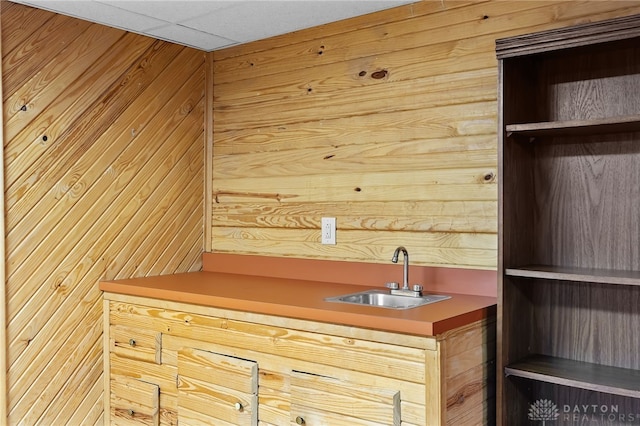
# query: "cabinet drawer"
[319,400]
[134,402]
[140,344]
[216,389]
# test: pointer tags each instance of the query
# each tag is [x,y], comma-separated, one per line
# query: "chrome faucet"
[405,290]
[405,267]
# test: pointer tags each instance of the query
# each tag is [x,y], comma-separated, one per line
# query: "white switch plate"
[328,230]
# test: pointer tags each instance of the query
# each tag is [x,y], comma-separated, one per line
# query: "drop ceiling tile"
[213,24]
[173,11]
[190,37]
[99,13]
[253,20]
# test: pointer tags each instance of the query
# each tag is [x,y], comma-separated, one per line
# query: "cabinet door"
[216,389]
[134,402]
[319,400]
[136,343]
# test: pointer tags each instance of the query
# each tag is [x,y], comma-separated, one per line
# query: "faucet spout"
[394,259]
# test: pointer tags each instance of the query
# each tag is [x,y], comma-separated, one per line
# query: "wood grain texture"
[325,373]
[3,289]
[589,192]
[379,124]
[569,193]
[216,388]
[135,402]
[103,142]
[469,364]
[115,190]
[330,400]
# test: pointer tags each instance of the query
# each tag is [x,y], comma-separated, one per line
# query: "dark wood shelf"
[568,165]
[575,127]
[583,375]
[566,38]
[603,276]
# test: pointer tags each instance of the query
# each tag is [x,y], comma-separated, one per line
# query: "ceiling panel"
[213,24]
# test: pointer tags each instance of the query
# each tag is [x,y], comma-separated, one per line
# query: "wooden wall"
[3,305]
[387,122]
[103,152]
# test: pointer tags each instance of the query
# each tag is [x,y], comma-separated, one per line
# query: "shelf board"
[583,375]
[603,276]
[576,127]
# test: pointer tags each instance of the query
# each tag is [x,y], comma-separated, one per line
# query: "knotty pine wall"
[387,122]
[116,189]
[103,152]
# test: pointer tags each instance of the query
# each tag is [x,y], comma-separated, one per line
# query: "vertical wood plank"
[3,288]
[208,150]
[106,361]
[435,410]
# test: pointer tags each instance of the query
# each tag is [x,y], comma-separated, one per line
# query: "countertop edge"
[200,288]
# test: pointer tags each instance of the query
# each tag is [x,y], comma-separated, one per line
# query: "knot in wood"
[379,74]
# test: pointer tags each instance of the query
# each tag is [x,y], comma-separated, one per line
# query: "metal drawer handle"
[131,412]
[132,342]
[238,406]
[300,420]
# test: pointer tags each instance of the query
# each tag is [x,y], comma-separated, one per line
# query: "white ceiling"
[213,24]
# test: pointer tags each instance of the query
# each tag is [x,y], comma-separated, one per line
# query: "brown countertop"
[304,299]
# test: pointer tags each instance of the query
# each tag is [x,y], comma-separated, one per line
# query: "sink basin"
[382,299]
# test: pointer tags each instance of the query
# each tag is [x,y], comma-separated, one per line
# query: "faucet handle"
[393,286]
[417,288]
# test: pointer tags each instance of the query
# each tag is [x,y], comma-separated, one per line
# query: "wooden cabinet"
[569,265]
[230,367]
[139,344]
[216,388]
[134,402]
[318,400]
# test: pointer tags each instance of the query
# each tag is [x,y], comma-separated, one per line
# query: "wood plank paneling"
[3,292]
[384,121]
[103,152]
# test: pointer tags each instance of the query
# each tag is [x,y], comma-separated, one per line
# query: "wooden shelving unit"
[575,127]
[569,234]
[604,276]
[582,375]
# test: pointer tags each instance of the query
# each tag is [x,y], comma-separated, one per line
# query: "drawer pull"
[238,406]
[300,420]
[131,412]
[132,342]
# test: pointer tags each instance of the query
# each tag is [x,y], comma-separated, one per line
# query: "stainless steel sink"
[382,299]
